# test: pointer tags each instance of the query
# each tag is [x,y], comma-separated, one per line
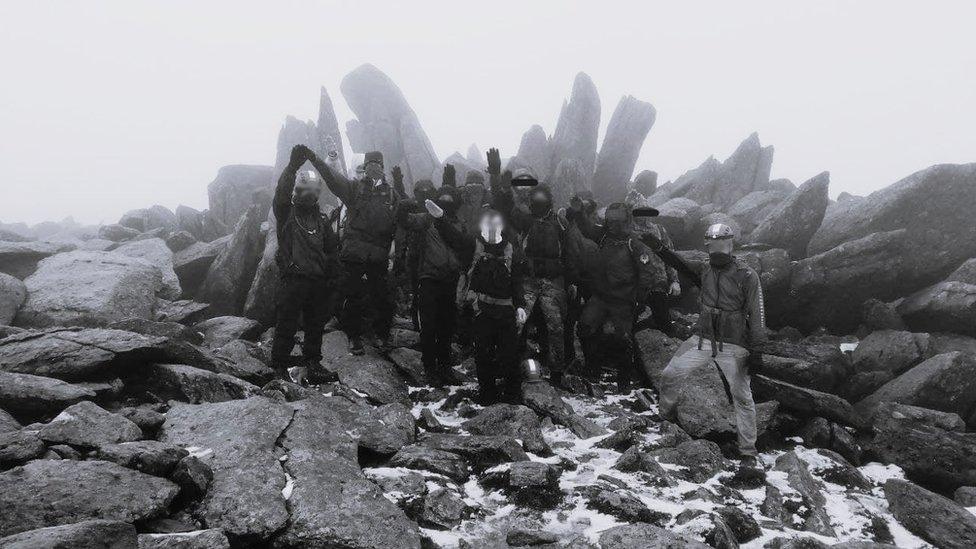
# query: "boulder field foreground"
[138,407]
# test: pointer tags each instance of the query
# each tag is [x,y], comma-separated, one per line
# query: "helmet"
[531,370]
[719,231]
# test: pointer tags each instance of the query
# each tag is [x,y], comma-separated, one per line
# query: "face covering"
[491,229]
[539,205]
[618,222]
[719,259]
[446,202]
[305,199]
[374,172]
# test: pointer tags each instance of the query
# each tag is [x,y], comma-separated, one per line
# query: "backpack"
[491,274]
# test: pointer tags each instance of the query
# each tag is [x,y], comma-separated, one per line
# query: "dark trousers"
[606,333]
[660,305]
[366,293]
[496,349]
[438,314]
[310,299]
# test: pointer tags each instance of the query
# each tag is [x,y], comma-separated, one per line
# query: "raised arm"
[337,183]
[281,205]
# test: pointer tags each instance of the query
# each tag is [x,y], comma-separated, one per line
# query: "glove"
[521,316]
[494,161]
[299,154]
[397,174]
[675,289]
[754,364]
[449,179]
[433,209]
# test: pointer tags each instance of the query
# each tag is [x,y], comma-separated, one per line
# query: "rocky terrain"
[137,407]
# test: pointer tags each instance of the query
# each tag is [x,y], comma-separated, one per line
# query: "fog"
[112,105]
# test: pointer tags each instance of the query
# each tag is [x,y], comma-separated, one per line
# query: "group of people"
[491,262]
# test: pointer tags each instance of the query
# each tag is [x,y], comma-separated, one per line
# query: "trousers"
[302,297]
[438,313]
[731,360]
[496,349]
[545,301]
[366,292]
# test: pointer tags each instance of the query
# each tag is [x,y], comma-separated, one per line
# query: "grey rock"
[234,190]
[193,476]
[424,458]
[156,252]
[806,402]
[13,293]
[229,277]
[522,537]
[753,208]
[374,376]
[89,289]
[890,350]
[18,447]
[945,307]
[629,125]
[20,259]
[878,315]
[7,422]
[792,224]
[148,456]
[199,539]
[821,433]
[88,534]
[577,129]
[680,217]
[945,382]
[640,536]
[442,509]
[965,496]
[816,519]
[533,153]
[545,401]
[219,331]
[511,420]
[180,240]
[645,182]
[55,492]
[34,397]
[481,450]
[625,506]
[408,363]
[193,385]
[934,518]
[702,458]
[655,349]
[146,418]
[192,263]
[87,425]
[184,311]
[943,420]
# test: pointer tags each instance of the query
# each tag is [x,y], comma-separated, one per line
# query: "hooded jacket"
[732,309]
[307,245]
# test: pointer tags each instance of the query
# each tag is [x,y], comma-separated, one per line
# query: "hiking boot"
[317,374]
[356,345]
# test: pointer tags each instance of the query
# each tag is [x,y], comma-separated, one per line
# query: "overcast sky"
[107,106]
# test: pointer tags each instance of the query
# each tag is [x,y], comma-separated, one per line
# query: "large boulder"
[945,307]
[945,382]
[238,439]
[221,330]
[12,296]
[197,539]
[931,449]
[190,220]
[680,217]
[386,123]
[230,275]
[753,208]
[815,517]
[628,127]
[155,251]
[791,225]
[32,397]
[577,129]
[55,492]
[934,205]
[88,534]
[806,402]
[89,426]
[934,518]
[236,188]
[78,354]
[425,458]
[724,183]
[331,503]
[829,289]
[373,376]
[89,289]
[149,456]
[654,351]
[189,384]
[482,451]
[192,263]
[533,153]
[890,351]
[20,259]
[544,399]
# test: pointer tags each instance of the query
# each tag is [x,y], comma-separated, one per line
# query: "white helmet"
[719,231]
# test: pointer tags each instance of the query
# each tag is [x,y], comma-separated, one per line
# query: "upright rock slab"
[229,277]
[578,127]
[386,123]
[12,296]
[55,492]
[533,153]
[89,289]
[236,188]
[629,125]
[791,225]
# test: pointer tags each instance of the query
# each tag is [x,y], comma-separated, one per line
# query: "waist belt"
[717,315]
[485,298]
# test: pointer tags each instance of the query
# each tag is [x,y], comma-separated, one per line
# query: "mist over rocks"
[577,128]
[629,125]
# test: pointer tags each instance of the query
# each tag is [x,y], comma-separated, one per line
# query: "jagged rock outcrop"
[724,183]
[533,153]
[578,127]
[753,208]
[386,123]
[629,125]
[944,307]
[327,128]
[231,273]
[568,179]
[237,188]
[190,220]
[20,259]
[791,224]
[89,289]
[192,263]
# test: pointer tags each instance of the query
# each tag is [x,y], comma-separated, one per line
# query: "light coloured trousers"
[732,362]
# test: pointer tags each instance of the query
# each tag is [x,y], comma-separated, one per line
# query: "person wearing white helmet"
[731,334]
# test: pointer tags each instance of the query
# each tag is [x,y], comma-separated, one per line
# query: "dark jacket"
[732,309]
[370,216]
[441,243]
[307,244]
[496,273]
